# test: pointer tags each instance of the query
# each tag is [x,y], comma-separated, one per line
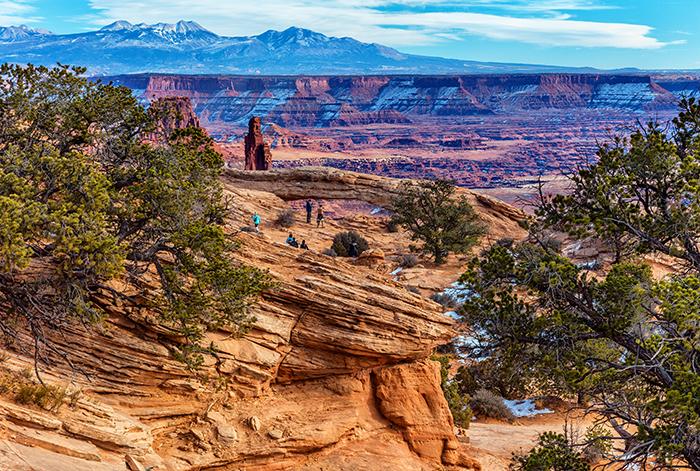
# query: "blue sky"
[600,33]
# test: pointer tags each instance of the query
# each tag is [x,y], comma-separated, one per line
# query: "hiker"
[309,210]
[303,245]
[256,222]
[292,241]
[353,252]
[319,216]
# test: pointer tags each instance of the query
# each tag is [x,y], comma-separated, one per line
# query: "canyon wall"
[327,101]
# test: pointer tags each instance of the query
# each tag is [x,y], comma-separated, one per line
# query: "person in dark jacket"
[303,245]
[309,211]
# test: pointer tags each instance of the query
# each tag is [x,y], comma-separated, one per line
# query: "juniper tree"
[435,216]
[84,199]
[627,341]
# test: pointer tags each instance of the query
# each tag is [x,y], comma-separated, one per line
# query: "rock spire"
[257,152]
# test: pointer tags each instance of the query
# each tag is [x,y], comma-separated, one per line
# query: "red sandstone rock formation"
[172,113]
[257,152]
[333,375]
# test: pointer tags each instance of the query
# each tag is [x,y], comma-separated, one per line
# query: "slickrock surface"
[325,183]
[334,375]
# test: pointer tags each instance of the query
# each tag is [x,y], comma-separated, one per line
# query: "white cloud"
[397,22]
[16,12]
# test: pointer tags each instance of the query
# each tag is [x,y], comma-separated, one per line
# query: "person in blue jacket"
[256,222]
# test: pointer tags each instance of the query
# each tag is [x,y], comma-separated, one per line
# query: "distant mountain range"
[188,48]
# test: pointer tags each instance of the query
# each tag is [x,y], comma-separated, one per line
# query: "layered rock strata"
[334,374]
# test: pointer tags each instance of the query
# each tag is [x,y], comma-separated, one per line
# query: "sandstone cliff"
[334,374]
[324,101]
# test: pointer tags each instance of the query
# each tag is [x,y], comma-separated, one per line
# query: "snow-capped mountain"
[20,33]
[185,34]
[187,47]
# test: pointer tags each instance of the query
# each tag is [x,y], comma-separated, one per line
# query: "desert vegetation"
[486,404]
[625,340]
[92,190]
[285,218]
[434,216]
[457,402]
[349,244]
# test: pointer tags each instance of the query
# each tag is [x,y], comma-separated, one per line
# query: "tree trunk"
[693,459]
[439,256]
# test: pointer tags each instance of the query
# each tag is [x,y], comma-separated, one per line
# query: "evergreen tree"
[437,218]
[85,200]
[628,342]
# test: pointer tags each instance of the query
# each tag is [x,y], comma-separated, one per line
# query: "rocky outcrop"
[331,184]
[333,375]
[421,413]
[257,151]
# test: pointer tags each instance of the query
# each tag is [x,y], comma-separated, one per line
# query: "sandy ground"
[494,443]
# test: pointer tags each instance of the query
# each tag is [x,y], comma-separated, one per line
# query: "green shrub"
[597,444]
[457,402]
[392,226]
[466,381]
[484,403]
[554,452]
[45,396]
[343,242]
[23,388]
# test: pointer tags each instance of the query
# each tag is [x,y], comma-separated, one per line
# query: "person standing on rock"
[320,217]
[309,210]
[353,252]
[256,222]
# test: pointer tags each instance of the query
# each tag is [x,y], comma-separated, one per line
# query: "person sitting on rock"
[320,217]
[303,245]
[291,240]
[256,222]
[309,210]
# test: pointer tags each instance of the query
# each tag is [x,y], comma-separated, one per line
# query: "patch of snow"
[400,96]
[458,292]
[590,265]
[465,344]
[397,271]
[622,95]
[452,314]
[376,211]
[525,408]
